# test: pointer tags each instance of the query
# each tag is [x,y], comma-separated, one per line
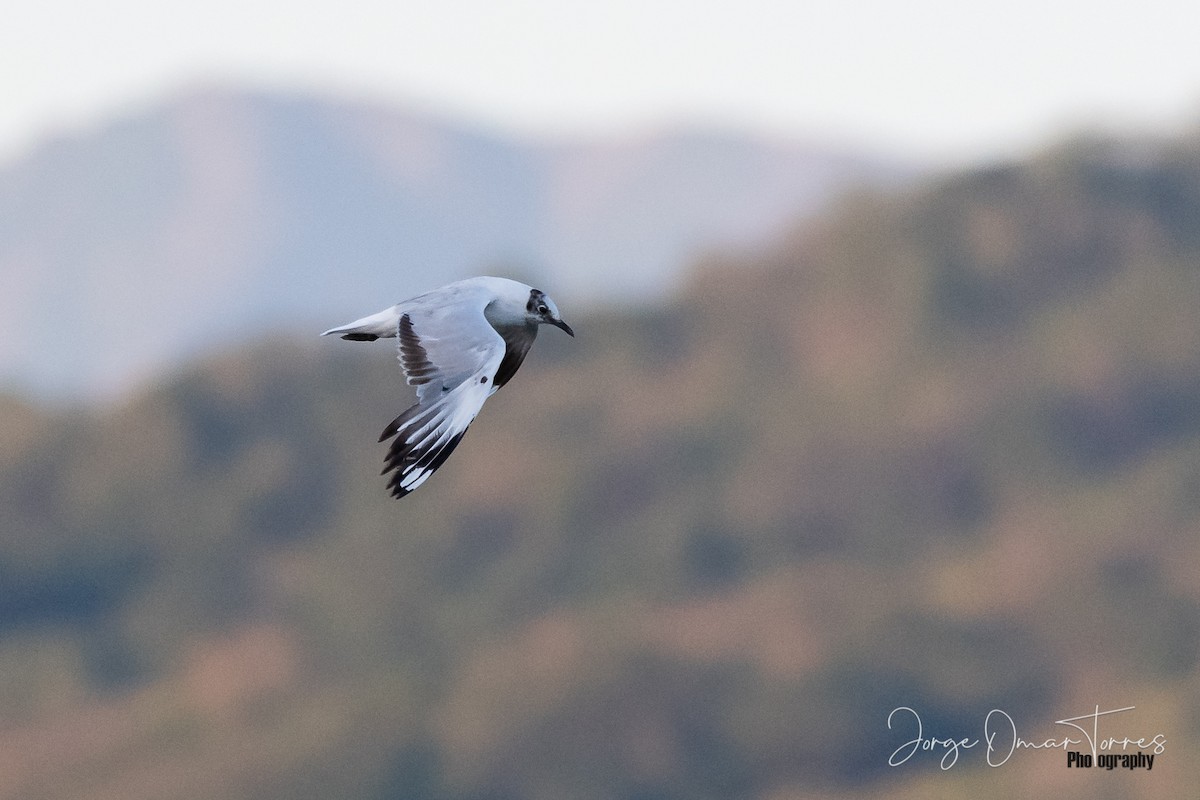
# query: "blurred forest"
[937,450]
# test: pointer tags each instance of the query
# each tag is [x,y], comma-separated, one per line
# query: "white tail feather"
[382,325]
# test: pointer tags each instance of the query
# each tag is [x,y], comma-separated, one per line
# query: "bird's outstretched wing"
[451,354]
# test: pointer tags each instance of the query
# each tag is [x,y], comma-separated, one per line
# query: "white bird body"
[458,345]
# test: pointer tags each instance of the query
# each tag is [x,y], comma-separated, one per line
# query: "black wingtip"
[394,426]
[401,460]
[360,337]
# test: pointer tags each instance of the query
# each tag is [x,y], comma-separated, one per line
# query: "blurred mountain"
[937,451]
[227,214]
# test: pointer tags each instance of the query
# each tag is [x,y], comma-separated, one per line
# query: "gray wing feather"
[441,346]
[451,354]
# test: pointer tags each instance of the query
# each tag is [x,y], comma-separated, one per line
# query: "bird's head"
[540,310]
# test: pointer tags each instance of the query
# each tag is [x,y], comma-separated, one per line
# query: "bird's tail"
[368,329]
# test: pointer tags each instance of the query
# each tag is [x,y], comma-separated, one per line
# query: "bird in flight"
[458,345]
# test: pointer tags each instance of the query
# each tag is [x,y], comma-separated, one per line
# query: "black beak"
[558,323]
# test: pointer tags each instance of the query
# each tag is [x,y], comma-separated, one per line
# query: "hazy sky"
[953,78]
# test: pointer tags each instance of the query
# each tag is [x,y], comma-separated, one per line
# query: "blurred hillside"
[221,214]
[938,451]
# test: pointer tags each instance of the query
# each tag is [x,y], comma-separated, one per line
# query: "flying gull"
[458,345]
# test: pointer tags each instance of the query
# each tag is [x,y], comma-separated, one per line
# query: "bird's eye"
[542,309]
